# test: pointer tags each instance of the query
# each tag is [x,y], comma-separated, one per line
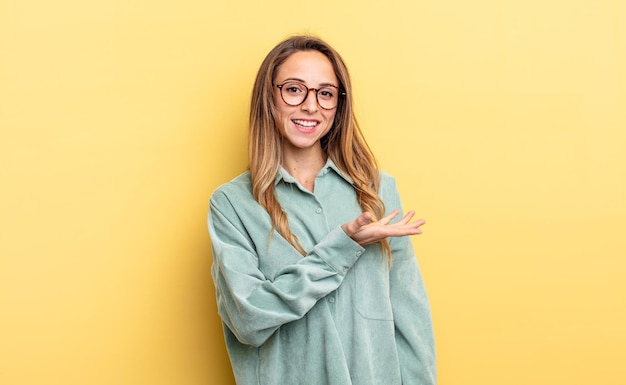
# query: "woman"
[315,283]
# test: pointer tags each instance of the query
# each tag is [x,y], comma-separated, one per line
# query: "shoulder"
[388,191]
[239,189]
[234,203]
[387,183]
[386,178]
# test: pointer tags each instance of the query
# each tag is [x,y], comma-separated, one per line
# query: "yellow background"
[503,121]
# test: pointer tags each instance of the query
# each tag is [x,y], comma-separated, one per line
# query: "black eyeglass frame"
[308,91]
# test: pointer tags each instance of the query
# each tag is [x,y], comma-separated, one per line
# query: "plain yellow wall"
[503,121]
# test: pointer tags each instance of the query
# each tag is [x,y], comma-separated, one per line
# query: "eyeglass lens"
[295,94]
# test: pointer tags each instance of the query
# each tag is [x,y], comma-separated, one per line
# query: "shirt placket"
[321,213]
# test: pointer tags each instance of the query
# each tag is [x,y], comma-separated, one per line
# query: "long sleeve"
[414,333]
[254,306]
[411,310]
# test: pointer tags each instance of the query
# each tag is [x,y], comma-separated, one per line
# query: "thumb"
[364,219]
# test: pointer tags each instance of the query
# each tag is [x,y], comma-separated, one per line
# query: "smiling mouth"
[306,124]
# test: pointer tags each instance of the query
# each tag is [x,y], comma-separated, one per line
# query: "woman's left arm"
[413,323]
[411,309]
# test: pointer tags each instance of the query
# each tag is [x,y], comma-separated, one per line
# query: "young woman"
[316,283]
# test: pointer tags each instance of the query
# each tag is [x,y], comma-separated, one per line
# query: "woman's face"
[303,126]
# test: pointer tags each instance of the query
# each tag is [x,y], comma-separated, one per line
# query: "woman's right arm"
[253,306]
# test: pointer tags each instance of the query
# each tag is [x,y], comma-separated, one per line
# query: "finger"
[411,228]
[406,219]
[417,223]
[402,231]
[388,218]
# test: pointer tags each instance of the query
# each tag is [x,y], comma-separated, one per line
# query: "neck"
[304,164]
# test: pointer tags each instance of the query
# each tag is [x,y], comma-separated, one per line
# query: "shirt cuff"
[338,250]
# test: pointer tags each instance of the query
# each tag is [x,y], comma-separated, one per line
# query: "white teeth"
[305,123]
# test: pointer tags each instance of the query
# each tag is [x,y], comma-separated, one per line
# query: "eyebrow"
[304,82]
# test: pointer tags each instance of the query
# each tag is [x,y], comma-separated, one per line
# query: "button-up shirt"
[342,314]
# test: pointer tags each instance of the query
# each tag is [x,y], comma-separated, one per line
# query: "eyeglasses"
[294,94]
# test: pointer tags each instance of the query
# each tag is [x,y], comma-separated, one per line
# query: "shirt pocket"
[372,288]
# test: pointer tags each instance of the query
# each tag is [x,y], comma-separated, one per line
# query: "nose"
[310,102]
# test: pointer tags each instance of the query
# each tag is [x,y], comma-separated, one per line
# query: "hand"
[363,231]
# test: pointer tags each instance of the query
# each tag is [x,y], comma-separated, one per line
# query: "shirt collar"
[283,175]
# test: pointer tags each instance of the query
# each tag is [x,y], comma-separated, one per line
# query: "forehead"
[313,67]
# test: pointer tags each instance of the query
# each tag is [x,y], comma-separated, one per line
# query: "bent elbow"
[249,335]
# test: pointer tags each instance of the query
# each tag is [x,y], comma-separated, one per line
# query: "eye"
[326,93]
[293,88]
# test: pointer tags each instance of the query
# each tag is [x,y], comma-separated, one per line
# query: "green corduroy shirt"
[340,315]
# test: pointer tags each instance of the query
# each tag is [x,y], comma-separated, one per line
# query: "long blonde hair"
[344,143]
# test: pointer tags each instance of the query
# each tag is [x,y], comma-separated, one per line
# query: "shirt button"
[318,210]
[358,253]
[331,299]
